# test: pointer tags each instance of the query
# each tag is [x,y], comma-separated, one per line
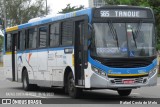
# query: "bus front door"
[79,52]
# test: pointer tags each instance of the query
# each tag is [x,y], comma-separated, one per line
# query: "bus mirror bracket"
[91,31]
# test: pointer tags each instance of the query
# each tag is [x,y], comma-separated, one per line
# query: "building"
[96,3]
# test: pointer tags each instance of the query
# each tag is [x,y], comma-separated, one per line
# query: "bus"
[111,47]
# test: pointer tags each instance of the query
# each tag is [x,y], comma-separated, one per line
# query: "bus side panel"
[27,60]
[69,59]
[8,66]
[59,69]
[51,64]
[57,63]
[32,65]
[43,73]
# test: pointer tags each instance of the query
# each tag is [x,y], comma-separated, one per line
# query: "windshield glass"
[124,39]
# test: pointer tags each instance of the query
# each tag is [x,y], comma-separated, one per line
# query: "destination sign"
[115,13]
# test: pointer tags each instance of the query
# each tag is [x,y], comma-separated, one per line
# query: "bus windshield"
[124,39]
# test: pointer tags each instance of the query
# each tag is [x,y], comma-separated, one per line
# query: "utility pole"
[46,8]
[4,13]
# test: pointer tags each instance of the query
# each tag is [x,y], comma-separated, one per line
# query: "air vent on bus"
[126,63]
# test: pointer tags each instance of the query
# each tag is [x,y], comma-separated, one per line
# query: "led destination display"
[123,13]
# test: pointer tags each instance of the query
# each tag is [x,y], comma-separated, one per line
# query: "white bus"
[109,47]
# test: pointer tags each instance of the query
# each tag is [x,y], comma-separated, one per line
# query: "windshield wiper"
[114,32]
[136,33]
[134,38]
[138,29]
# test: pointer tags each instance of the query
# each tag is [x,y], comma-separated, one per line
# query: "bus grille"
[120,80]
[126,63]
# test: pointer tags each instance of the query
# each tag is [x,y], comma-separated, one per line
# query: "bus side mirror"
[89,36]
[92,36]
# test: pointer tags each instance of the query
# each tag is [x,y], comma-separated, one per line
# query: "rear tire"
[25,81]
[124,92]
[73,91]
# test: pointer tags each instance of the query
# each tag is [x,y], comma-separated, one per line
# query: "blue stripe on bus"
[123,70]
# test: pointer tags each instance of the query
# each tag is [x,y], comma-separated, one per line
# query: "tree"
[20,11]
[71,9]
[128,2]
[154,4]
[1,42]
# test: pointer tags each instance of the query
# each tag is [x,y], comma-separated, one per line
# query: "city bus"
[111,47]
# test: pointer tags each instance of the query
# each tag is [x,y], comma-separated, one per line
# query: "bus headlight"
[152,72]
[98,71]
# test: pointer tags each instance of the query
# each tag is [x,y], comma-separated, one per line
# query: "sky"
[58,5]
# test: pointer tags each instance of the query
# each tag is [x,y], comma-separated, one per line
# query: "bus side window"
[31,38]
[21,40]
[26,39]
[43,36]
[18,41]
[67,33]
[8,42]
[54,35]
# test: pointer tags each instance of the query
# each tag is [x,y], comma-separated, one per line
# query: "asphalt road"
[10,89]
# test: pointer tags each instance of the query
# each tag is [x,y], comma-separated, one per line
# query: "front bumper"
[96,81]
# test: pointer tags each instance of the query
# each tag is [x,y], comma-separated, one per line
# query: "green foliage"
[158,46]
[68,8]
[20,11]
[128,2]
[154,4]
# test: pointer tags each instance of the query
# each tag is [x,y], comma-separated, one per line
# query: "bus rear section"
[10,54]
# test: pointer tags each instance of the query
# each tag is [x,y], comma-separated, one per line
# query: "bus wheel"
[25,81]
[73,91]
[124,92]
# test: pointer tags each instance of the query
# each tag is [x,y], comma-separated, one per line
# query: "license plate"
[128,81]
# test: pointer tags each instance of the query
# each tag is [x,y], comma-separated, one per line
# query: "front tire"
[73,91]
[124,92]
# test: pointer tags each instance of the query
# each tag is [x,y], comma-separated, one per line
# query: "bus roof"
[51,19]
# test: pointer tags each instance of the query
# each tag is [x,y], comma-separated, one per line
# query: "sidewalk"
[1,70]
[2,77]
